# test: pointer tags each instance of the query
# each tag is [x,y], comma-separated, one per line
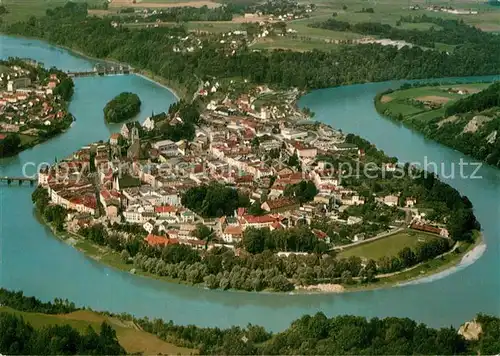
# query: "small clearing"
[468,89]
[386,99]
[130,336]
[450,120]
[476,123]
[433,99]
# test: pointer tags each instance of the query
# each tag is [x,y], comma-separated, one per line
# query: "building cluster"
[451,10]
[25,106]
[258,152]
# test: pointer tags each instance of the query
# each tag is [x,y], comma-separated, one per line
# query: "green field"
[405,102]
[129,335]
[388,246]
[21,10]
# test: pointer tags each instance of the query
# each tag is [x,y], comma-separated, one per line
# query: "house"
[304,152]
[114,139]
[390,167]
[187,216]
[149,124]
[391,200]
[126,129]
[359,237]
[149,226]
[320,235]
[353,220]
[291,134]
[410,202]
[154,240]
[232,234]
[431,229]
[279,205]
[352,199]
[112,211]
[166,210]
[345,147]
[167,148]
[257,222]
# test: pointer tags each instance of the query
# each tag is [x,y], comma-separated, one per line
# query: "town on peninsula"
[197,173]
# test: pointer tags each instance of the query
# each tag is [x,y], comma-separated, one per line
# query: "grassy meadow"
[413,104]
[388,246]
[385,11]
[130,336]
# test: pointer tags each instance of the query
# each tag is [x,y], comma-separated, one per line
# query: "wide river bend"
[34,261]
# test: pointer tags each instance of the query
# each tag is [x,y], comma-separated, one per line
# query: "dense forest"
[18,337]
[311,335]
[486,99]
[122,107]
[9,145]
[152,49]
[19,301]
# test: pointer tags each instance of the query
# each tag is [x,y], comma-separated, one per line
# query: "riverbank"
[177,90]
[444,263]
[444,113]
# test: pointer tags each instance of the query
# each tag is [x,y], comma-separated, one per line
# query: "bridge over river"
[19,180]
[102,71]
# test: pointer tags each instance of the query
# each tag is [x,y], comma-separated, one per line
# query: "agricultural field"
[295,44]
[389,11]
[129,335]
[21,10]
[162,3]
[388,246]
[425,103]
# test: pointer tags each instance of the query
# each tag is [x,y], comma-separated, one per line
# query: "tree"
[303,191]
[9,145]
[125,256]
[407,257]
[347,277]
[122,107]
[254,239]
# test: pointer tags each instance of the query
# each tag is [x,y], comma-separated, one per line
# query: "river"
[34,261]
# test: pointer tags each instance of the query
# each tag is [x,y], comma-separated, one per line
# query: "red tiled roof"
[277,225]
[241,211]
[265,219]
[426,228]
[320,234]
[2,136]
[165,209]
[280,203]
[154,240]
[233,230]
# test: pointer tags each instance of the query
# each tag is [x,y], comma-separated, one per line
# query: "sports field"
[388,246]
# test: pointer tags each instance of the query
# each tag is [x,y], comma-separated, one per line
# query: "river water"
[34,261]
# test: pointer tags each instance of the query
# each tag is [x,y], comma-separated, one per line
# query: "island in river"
[122,107]
[465,117]
[33,104]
